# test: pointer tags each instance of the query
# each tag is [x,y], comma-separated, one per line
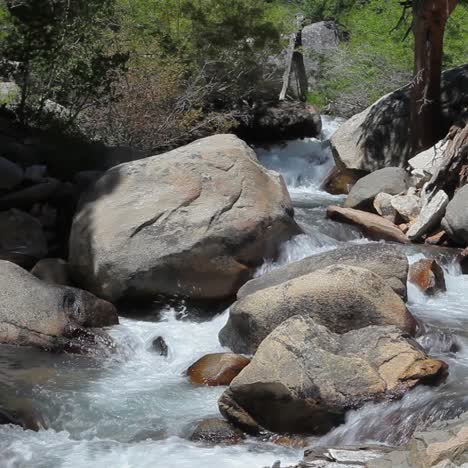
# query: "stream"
[135,409]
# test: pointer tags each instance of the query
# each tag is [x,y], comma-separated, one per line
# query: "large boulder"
[455,221]
[34,313]
[194,222]
[388,261]
[379,136]
[373,226]
[22,239]
[340,297]
[390,180]
[303,377]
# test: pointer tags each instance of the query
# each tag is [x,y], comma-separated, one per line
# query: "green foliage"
[319,10]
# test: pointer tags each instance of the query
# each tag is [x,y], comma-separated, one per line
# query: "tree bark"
[430,19]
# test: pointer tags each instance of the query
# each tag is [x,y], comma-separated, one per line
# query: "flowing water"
[135,409]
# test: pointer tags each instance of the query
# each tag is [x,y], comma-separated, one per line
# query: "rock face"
[388,261]
[378,137]
[455,222]
[21,238]
[340,297]
[216,431]
[216,369]
[430,216]
[53,271]
[373,226]
[194,222]
[304,378]
[428,275]
[33,313]
[391,180]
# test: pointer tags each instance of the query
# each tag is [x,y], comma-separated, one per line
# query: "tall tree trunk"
[430,19]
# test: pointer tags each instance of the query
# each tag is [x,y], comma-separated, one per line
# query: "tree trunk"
[430,19]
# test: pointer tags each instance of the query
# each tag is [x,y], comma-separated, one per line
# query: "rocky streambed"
[136,407]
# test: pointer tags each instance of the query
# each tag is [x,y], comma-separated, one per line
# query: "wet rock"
[371,225]
[23,414]
[53,271]
[463,259]
[340,181]
[216,369]
[160,346]
[22,239]
[388,261]
[390,180]
[192,223]
[216,431]
[407,206]
[430,217]
[340,297]
[34,313]
[428,275]
[26,197]
[455,222]
[437,239]
[304,378]
[11,175]
[287,440]
[379,136]
[383,207]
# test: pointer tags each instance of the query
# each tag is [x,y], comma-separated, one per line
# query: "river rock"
[388,261]
[390,180]
[160,346]
[22,239]
[304,378]
[11,174]
[379,136]
[22,414]
[26,197]
[194,222]
[428,275]
[340,297]
[372,225]
[53,271]
[407,206]
[216,431]
[216,369]
[34,313]
[383,207]
[430,217]
[455,222]
[340,181]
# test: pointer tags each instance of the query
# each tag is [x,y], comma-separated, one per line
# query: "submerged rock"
[216,369]
[34,313]
[370,224]
[193,223]
[388,261]
[216,431]
[428,275]
[23,414]
[340,297]
[303,377]
[159,345]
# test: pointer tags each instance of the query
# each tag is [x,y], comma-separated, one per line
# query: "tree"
[429,21]
[61,54]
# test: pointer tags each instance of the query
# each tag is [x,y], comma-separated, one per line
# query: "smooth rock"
[21,237]
[195,223]
[216,431]
[428,275]
[407,206]
[26,197]
[216,369]
[383,207]
[304,378]
[340,297]
[388,261]
[53,271]
[34,313]
[379,136]
[160,346]
[373,226]
[455,222]
[340,181]
[430,217]
[22,414]
[11,175]
[390,180]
